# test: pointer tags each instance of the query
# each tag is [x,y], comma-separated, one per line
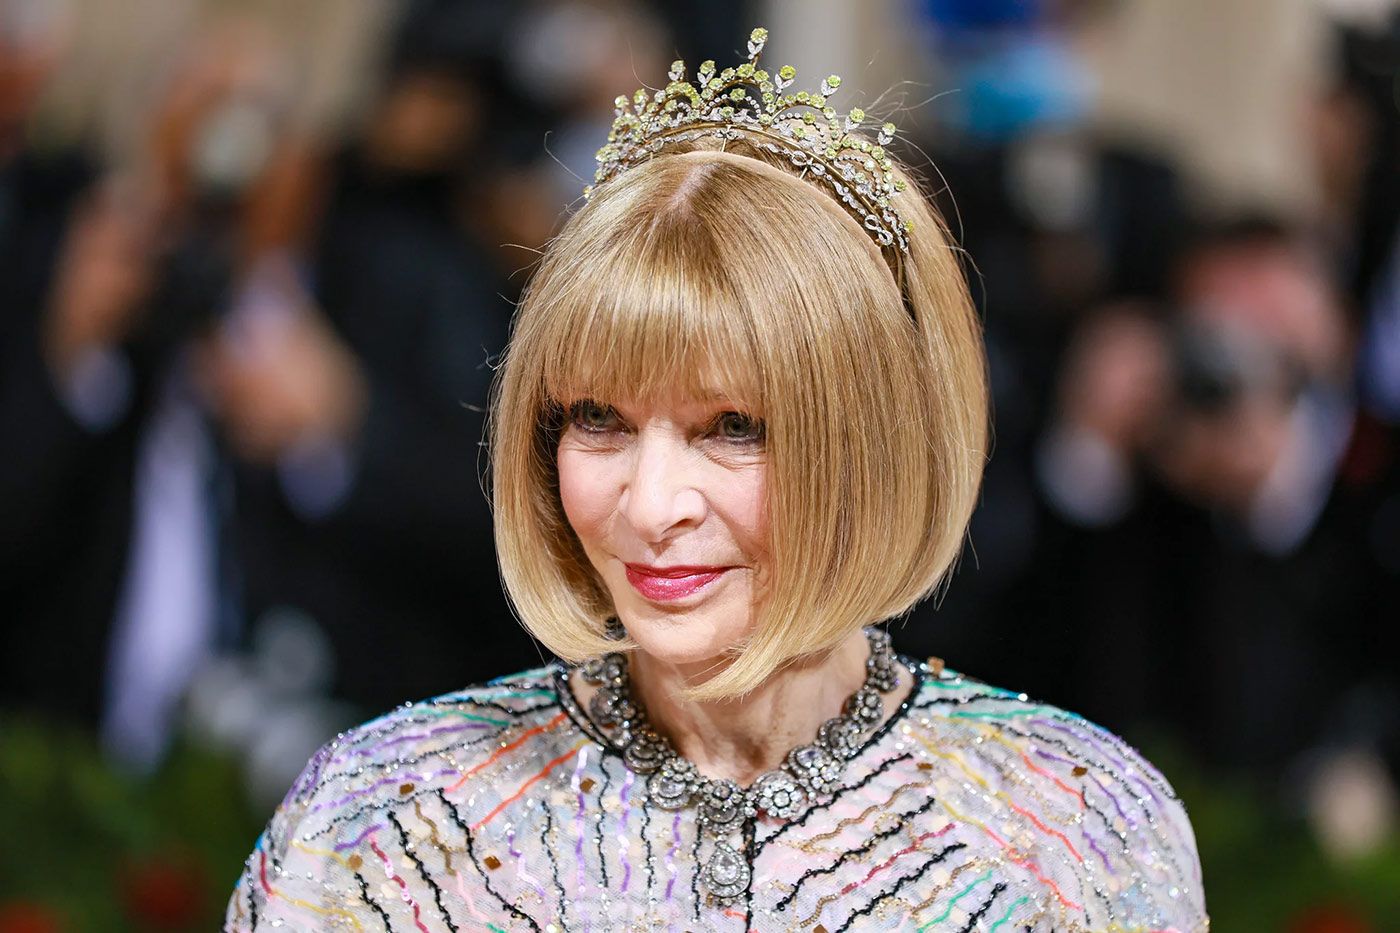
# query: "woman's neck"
[742,739]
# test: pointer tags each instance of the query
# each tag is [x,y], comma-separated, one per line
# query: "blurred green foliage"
[90,848]
[1263,868]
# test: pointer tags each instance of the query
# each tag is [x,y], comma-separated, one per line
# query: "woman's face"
[668,501]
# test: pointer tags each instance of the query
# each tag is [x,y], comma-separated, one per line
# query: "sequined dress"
[501,808]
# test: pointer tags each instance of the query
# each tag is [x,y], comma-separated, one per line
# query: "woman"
[742,418]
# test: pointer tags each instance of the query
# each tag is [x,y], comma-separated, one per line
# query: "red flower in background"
[163,893]
[1330,918]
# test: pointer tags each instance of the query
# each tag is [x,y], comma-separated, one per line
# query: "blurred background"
[257,259]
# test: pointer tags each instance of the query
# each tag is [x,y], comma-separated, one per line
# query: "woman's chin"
[683,637]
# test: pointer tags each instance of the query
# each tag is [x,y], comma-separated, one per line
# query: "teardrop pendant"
[726,874]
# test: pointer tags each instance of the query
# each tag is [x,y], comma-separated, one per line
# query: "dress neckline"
[920,674]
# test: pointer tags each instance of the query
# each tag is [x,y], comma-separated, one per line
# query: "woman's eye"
[593,416]
[737,426]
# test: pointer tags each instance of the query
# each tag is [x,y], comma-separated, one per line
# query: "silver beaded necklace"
[673,782]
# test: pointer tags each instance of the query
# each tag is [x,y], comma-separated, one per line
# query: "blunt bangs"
[657,316]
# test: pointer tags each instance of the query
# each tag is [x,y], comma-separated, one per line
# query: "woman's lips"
[667,584]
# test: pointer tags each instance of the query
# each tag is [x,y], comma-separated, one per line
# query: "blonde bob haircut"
[717,269]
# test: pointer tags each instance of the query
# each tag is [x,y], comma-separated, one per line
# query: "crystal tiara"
[747,102]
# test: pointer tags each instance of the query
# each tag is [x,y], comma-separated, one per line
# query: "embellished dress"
[503,807]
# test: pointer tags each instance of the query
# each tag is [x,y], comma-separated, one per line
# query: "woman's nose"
[660,500]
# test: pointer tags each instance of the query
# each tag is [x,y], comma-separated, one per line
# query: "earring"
[613,630]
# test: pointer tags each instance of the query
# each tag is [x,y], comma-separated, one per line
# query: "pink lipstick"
[667,584]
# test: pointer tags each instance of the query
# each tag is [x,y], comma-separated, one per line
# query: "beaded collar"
[808,773]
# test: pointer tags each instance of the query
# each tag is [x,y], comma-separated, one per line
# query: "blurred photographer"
[349,380]
[113,555]
[1213,504]
[1223,397]
[221,147]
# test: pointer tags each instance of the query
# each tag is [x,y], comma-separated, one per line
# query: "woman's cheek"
[584,491]
[751,504]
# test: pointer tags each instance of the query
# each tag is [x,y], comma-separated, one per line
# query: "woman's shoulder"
[429,743]
[1011,716]
[418,758]
[1039,778]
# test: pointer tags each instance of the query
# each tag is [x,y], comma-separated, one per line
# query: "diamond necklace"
[673,782]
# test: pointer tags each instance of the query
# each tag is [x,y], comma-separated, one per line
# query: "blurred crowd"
[1191,523]
[244,365]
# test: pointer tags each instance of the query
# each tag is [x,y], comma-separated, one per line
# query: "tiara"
[747,102]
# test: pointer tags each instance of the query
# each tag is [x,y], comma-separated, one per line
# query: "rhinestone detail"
[674,783]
